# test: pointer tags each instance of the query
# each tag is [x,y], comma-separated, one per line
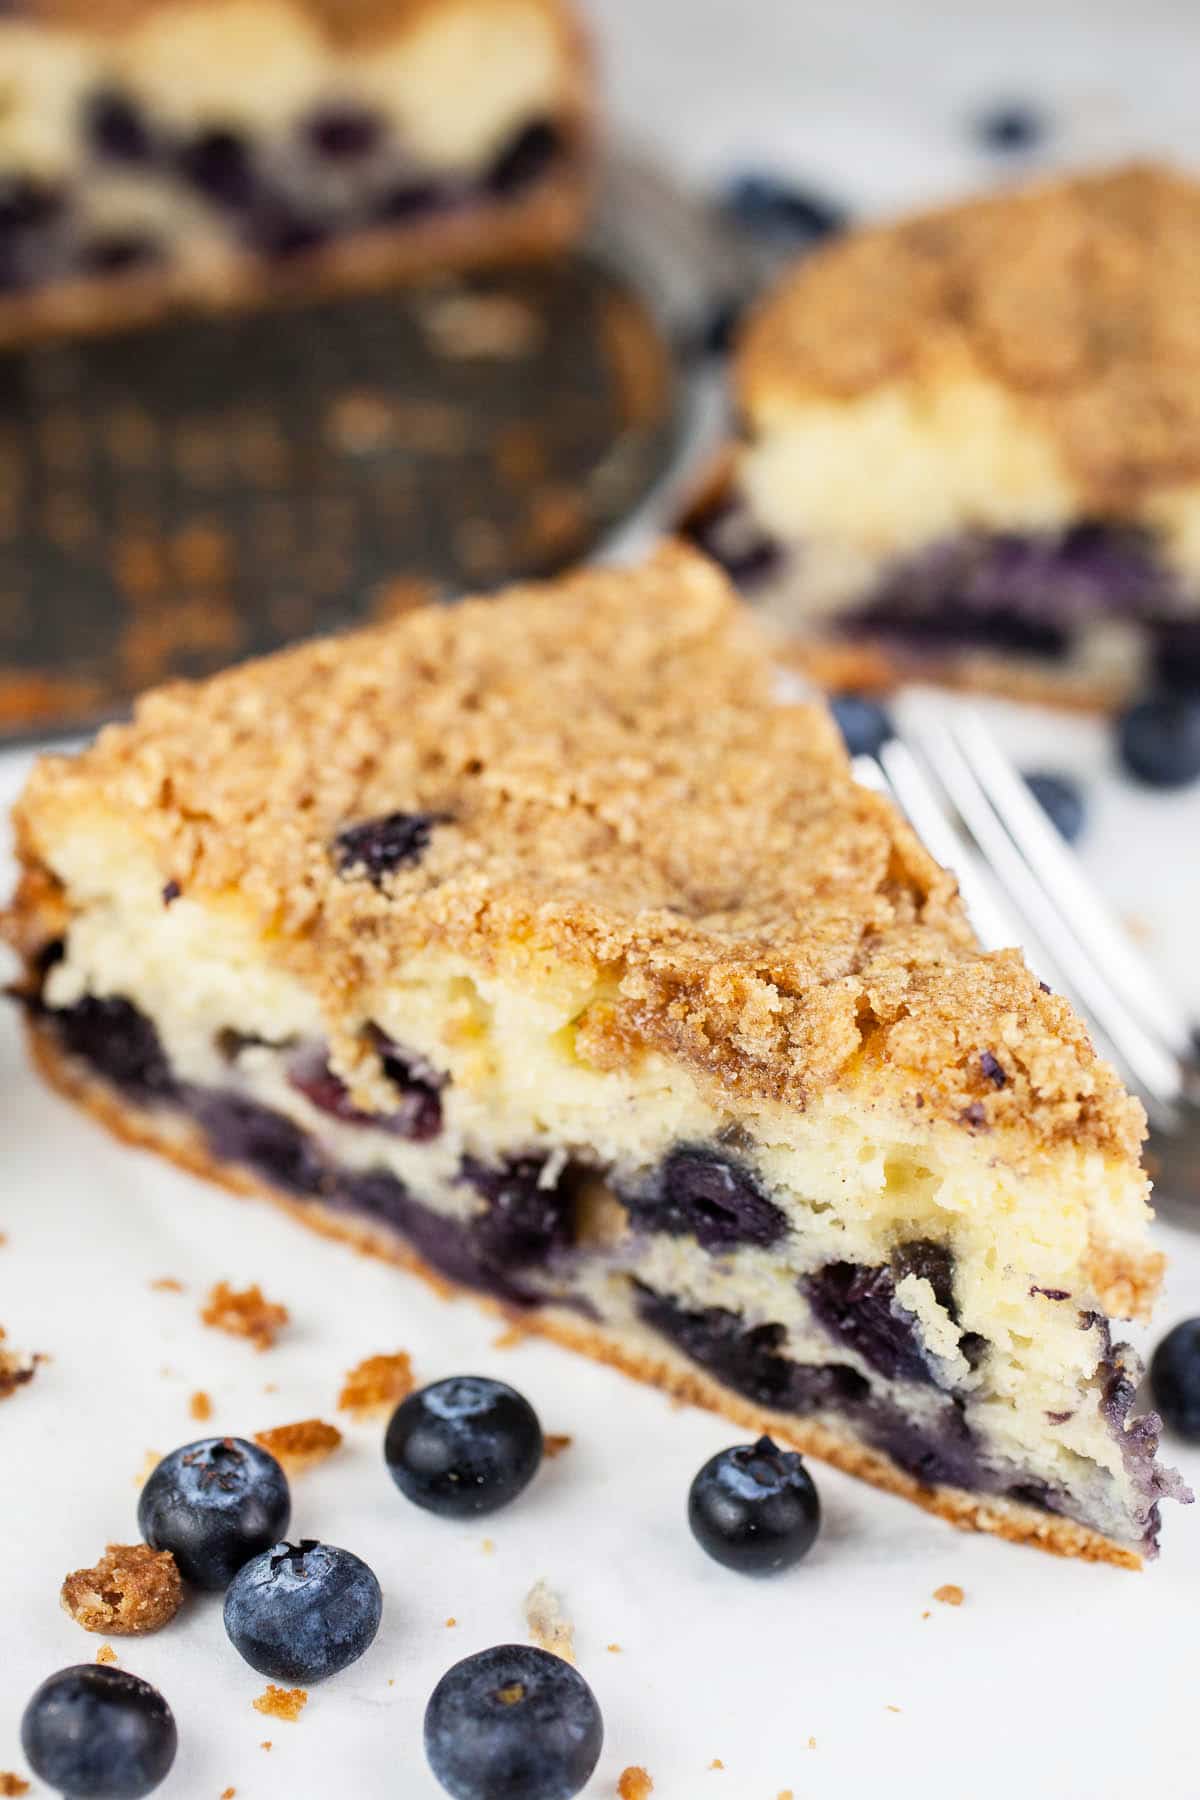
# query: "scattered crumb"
[549,1628]
[812,1743]
[391,1681]
[131,1590]
[926,1614]
[150,1462]
[228,1793]
[634,1784]
[555,1442]
[487,1546]
[895,1709]
[613,1649]
[200,1406]
[12,1784]
[1138,927]
[106,1654]
[950,1594]
[266,1743]
[376,1385]
[3,1239]
[247,1314]
[281,1703]
[784,1794]
[716,1763]
[17,1368]
[300,1446]
[451,1623]
[270,1387]
[167,1284]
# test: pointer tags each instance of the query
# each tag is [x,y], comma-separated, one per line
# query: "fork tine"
[1060,873]
[1154,1066]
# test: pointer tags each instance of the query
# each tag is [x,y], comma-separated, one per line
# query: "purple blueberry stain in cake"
[411,197]
[343,132]
[417,1116]
[379,846]
[240,1130]
[993,1069]
[1050,1293]
[280,231]
[974,1115]
[524,159]
[928,1261]
[118,1042]
[171,892]
[527,1219]
[732,537]
[697,1193]
[116,127]
[27,205]
[858,1308]
[118,253]
[219,163]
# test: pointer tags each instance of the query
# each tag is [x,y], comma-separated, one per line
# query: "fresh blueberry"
[772,207]
[1159,740]
[463,1446]
[1175,1379]
[98,1733]
[214,1504]
[513,1723]
[1011,127]
[863,723]
[755,1508]
[396,841]
[300,1612]
[1061,799]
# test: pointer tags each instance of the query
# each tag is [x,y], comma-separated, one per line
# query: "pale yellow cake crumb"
[150,1462]
[106,1654]
[549,1627]
[167,1284]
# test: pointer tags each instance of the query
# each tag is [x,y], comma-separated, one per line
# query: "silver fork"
[1022,885]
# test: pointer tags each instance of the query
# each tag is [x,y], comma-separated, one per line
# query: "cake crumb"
[634,1784]
[377,1384]
[950,1594]
[17,1368]
[613,1649]
[281,1703]
[200,1406]
[555,1442]
[451,1623]
[150,1462]
[716,1763]
[549,1628]
[106,1654]
[487,1546]
[11,1784]
[132,1589]
[894,1709]
[228,1793]
[812,1743]
[167,1284]
[300,1446]
[927,1614]
[246,1313]
[266,1743]
[784,1794]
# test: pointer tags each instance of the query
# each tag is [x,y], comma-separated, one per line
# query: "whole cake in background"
[969,446]
[435,935]
[158,151]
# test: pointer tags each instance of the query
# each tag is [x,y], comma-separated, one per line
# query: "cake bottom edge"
[181,1142]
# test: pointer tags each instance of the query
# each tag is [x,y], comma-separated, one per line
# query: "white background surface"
[1052,1679]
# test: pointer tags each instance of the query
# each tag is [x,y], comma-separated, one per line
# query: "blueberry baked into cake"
[970,445]
[154,151]
[532,943]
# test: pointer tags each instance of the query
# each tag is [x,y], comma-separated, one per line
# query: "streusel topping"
[1081,297]
[346,21]
[600,777]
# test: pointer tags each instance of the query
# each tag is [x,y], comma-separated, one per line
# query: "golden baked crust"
[181,1141]
[615,787]
[1080,297]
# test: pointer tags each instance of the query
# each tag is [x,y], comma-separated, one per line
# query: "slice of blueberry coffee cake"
[532,943]
[970,446]
[210,151]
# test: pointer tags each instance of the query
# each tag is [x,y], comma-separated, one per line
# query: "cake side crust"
[182,1145]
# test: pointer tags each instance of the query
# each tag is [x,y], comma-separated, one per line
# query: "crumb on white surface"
[549,1627]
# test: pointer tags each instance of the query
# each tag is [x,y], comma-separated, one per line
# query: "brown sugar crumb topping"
[377,1384]
[200,1406]
[12,1784]
[634,1784]
[106,1654]
[17,1368]
[281,1703]
[300,1446]
[132,1589]
[950,1594]
[555,1442]
[244,1313]
[1079,296]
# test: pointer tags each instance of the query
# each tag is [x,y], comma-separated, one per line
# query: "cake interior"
[215,130]
[1093,600]
[834,1267]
